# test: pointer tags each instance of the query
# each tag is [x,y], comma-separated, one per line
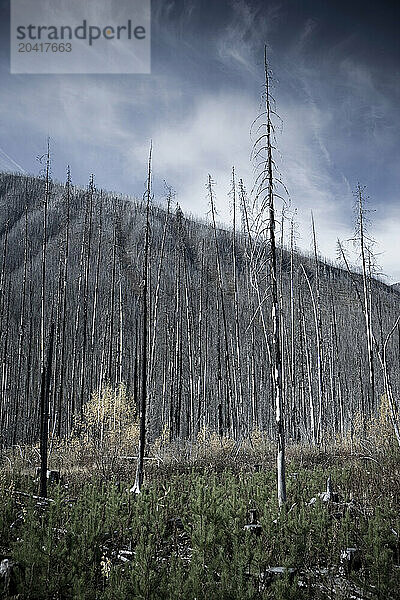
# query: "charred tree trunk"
[143,399]
[276,363]
[44,415]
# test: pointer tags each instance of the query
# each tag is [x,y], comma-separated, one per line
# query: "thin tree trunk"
[86,298]
[96,290]
[44,415]
[21,336]
[239,385]
[158,285]
[317,437]
[233,424]
[143,400]
[121,331]
[275,310]
[64,303]
[44,253]
[388,388]
[112,309]
[367,312]
[318,326]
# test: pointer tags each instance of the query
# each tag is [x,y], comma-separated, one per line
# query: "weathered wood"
[350,560]
[253,526]
[276,363]
[44,415]
[7,576]
[52,476]
[143,399]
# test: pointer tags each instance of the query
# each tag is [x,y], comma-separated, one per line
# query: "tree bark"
[143,399]
[44,415]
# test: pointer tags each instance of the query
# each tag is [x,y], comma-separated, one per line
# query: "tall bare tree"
[143,399]
[364,251]
[44,414]
[266,186]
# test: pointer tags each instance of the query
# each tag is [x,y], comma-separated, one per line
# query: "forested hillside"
[74,258]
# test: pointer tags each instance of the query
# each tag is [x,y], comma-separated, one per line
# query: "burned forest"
[208,320]
[192,408]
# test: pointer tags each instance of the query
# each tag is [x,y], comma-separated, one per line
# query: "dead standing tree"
[63,332]
[143,398]
[265,198]
[318,331]
[86,281]
[231,420]
[365,255]
[21,333]
[238,370]
[44,414]
[393,407]
[158,285]
[44,252]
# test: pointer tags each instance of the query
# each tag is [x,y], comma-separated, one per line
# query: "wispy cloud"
[9,164]
[339,111]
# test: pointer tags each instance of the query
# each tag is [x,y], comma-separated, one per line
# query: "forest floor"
[185,535]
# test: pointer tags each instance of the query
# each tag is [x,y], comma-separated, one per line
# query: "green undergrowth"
[183,537]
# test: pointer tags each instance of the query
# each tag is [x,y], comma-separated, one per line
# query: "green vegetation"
[184,536]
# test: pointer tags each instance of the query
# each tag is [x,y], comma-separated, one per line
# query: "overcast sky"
[336,82]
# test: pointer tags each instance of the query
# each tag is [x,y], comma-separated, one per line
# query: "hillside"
[208,356]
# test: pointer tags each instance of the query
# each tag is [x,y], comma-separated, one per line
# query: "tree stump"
[253,526]
[350,560]
[53,477]
[7,576]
